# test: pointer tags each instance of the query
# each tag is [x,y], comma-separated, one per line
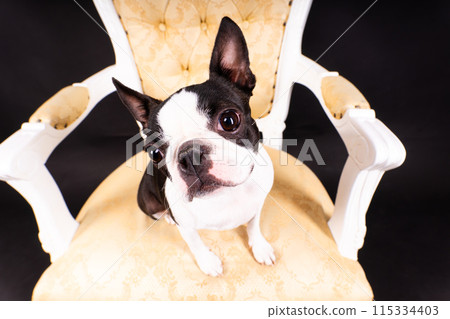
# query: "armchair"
[160,47]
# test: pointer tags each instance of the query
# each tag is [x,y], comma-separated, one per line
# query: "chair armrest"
[339,95]
[63,108]
[24,154]
[372,150]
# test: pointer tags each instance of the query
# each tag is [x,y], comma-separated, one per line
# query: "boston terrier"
[209,170]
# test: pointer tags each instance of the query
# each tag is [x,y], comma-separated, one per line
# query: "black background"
[397,55]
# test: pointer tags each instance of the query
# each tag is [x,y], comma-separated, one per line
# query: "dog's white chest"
[232,208]
[225,209]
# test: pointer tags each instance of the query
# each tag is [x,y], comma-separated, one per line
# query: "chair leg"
[56,224]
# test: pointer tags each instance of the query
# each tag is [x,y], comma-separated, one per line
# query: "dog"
[215,173]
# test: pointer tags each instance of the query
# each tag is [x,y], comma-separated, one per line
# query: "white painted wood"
[126,71]
[273,124]
[373,149]
[23,156]
[22,165]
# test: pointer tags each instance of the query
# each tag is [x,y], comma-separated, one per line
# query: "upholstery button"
[245,24]
[162,27]
[203,26]
[186,73]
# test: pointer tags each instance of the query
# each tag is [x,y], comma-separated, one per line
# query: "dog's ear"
[230,56]
[151,196]
[137,103]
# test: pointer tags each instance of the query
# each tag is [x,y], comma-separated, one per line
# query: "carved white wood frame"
[24,154]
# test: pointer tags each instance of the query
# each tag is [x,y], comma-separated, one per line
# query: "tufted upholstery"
[119,253]
[172,41]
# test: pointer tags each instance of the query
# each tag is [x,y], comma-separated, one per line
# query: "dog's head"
[203,133]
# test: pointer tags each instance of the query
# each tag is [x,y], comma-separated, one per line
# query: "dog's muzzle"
[197,168]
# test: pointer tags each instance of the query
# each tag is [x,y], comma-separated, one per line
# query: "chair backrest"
[172,41]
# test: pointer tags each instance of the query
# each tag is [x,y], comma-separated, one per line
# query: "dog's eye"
[156,155]
[229,120]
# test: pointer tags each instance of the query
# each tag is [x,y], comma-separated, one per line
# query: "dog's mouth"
[203,186]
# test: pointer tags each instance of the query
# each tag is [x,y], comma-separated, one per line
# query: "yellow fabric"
[63,108]
[172,41]
[340,95]
[119,253]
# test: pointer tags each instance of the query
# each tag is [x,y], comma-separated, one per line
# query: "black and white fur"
[212,178]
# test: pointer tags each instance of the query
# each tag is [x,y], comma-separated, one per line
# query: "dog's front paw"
[263,252]
[209,263]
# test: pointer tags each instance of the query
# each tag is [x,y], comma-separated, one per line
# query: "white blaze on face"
[181,120]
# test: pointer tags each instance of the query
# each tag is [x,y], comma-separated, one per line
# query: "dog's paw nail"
[210,264]
[263,252]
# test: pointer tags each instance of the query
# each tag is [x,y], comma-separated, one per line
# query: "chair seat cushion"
[119,253]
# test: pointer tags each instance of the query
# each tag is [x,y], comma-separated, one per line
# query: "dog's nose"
[190,160]
[192,157]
